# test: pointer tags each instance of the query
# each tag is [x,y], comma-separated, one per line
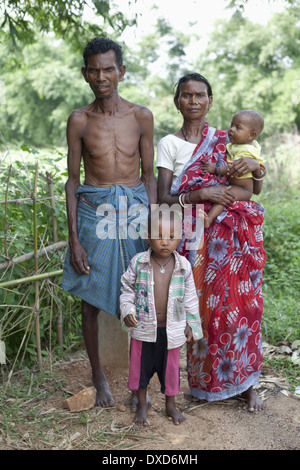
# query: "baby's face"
[240,131]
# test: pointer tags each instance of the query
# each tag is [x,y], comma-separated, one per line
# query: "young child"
[160,306]
[245,127]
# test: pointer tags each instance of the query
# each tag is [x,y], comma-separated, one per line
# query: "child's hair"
[166,214]
[256,120]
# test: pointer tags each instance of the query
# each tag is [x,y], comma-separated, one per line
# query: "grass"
[29,421]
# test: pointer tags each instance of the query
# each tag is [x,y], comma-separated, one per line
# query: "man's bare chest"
[108,134]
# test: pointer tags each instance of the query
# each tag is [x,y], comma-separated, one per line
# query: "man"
[115,139]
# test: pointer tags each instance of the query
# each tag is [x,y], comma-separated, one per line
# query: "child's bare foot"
[141,415]
[173,412]
[254,403]
[134,401]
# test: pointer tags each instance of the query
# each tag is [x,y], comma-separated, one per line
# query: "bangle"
[217,170]
[186,198]
[180,200]
[262,174]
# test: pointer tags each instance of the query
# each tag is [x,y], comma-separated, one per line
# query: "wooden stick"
[28,256]
[15,282]
[36,269]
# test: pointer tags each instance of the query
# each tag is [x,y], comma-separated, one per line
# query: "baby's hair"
[166,214]
[255,118]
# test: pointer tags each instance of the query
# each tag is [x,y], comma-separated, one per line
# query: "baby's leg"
[141,409]
[172,411]
[215,210]
[212,214]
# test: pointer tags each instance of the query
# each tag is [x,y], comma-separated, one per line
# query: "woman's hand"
[242,166]
[215,194]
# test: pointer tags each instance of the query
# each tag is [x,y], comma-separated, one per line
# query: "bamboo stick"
[28,256]
[59,323]
[15,282]
[36,269]
[52,199]
[5,213]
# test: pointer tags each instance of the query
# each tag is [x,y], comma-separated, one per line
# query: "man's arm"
[78,256]
[145,119]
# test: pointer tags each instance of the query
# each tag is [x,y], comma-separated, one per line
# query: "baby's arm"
[209,167]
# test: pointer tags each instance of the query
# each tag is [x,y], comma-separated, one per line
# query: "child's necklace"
[162,266]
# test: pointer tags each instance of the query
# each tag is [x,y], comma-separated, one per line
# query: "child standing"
[245,127]
[160,305]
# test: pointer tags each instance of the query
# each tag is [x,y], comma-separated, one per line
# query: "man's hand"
[79,259]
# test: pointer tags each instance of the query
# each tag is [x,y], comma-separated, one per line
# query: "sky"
[180,14]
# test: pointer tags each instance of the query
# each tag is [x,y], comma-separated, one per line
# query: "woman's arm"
[214,194]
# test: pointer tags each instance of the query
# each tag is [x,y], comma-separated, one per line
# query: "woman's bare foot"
[173,412]
[254,403]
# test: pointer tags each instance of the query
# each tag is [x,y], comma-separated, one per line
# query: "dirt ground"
[225,425]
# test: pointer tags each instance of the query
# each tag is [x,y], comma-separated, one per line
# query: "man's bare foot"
[104,397]
[254,403]
[173,412]
[141,415]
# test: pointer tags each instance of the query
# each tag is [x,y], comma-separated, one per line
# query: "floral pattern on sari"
[227,270]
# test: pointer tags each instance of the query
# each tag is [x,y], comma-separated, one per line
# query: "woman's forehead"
[193,85]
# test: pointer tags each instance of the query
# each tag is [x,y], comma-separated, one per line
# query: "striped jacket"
[137,297]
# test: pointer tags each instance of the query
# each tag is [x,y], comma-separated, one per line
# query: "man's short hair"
[100,46]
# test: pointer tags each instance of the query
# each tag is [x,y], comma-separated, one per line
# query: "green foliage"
[281,274]
[254,66]
[21,20]
[39,99]
[17,304]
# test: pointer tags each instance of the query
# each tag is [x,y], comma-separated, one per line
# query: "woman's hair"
[100,46]
[192,76]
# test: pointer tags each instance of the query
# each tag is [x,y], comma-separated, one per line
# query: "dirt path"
[220,426]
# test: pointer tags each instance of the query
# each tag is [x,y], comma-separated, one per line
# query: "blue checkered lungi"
[111,226]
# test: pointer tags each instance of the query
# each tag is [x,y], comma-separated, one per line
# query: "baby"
[245,127]
[160,306]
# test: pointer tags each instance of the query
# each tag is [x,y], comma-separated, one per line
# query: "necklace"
[184,136]
[162,266]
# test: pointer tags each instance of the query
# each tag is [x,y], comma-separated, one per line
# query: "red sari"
[228,276]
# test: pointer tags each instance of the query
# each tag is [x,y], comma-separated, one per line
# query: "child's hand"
[208,167]
[130,321]
[188,333]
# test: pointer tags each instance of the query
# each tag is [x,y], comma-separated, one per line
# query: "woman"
[228,266]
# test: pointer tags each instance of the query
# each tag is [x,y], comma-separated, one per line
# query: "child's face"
[165,236]
[241,131]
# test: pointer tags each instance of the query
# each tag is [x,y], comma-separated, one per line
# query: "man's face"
[103,74]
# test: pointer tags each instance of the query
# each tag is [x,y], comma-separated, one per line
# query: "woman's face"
[193,101]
